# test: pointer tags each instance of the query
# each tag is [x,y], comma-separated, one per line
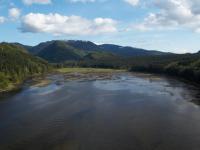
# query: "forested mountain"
[36,49]
[124,51]
[129,51]
[60,51]
[84,45]
[16,64]
[26,47]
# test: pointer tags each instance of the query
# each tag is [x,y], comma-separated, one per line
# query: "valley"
[19,62]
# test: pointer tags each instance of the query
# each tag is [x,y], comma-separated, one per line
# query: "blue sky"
[139,23]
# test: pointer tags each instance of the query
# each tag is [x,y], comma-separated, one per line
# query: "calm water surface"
[127,112]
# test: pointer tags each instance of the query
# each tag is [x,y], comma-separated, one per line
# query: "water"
[126,112]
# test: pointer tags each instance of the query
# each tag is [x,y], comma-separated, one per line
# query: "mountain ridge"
[78,50]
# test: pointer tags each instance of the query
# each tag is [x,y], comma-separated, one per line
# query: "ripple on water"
[125,112]
[144,86]
[43,90]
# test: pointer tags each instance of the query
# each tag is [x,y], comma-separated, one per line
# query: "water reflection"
[43,90]
[127,112]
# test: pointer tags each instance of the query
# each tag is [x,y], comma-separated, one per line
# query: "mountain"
[115,49]
[84,45]
[16,64]
[128,51]
[76,45]
[36,49]
[13,46]
[21,46]
[60,51]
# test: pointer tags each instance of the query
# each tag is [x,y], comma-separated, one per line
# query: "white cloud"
[30,2]
[173,14]
[83,1]
[57,24]
[132,2]
[14,13]
[86,1]
[2,19]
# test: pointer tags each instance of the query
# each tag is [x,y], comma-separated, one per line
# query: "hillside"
[185,66]
[61,51]
[58,51]
[84,45]
[25,47]
[125,51]
[129,51]
[36,49]
[16,64]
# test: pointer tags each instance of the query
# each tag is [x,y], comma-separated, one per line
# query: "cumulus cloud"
[57,24]
[132,2]
[83,1]
[2,19]
[86,1]
[14,13]
[30,2]
[173,14]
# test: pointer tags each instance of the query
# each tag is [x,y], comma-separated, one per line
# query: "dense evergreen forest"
[186,66]
[16,64]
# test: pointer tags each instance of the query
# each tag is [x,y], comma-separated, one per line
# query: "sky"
[165,25]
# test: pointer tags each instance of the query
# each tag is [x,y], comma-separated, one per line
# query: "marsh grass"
[87,70]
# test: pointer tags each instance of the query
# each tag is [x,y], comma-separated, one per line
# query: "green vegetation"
[62,51]
[4,81]
[16,64]
[57,52]
[186,66]
[87,70]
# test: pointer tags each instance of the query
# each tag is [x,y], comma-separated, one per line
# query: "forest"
[18,62]
[185,66]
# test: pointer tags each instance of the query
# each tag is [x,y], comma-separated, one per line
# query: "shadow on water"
[5,95]
[190,89]
[126,112]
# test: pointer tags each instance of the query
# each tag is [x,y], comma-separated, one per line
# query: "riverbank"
[76,73]
[87,70]
[191,81]
[10,85]
[69,74]
[68,115]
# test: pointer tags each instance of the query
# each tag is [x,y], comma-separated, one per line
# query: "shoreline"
[39,79]
[179,78]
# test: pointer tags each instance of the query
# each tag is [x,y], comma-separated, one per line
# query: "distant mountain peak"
[61,50]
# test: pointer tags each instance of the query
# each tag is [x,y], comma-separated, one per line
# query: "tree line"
[16,64]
